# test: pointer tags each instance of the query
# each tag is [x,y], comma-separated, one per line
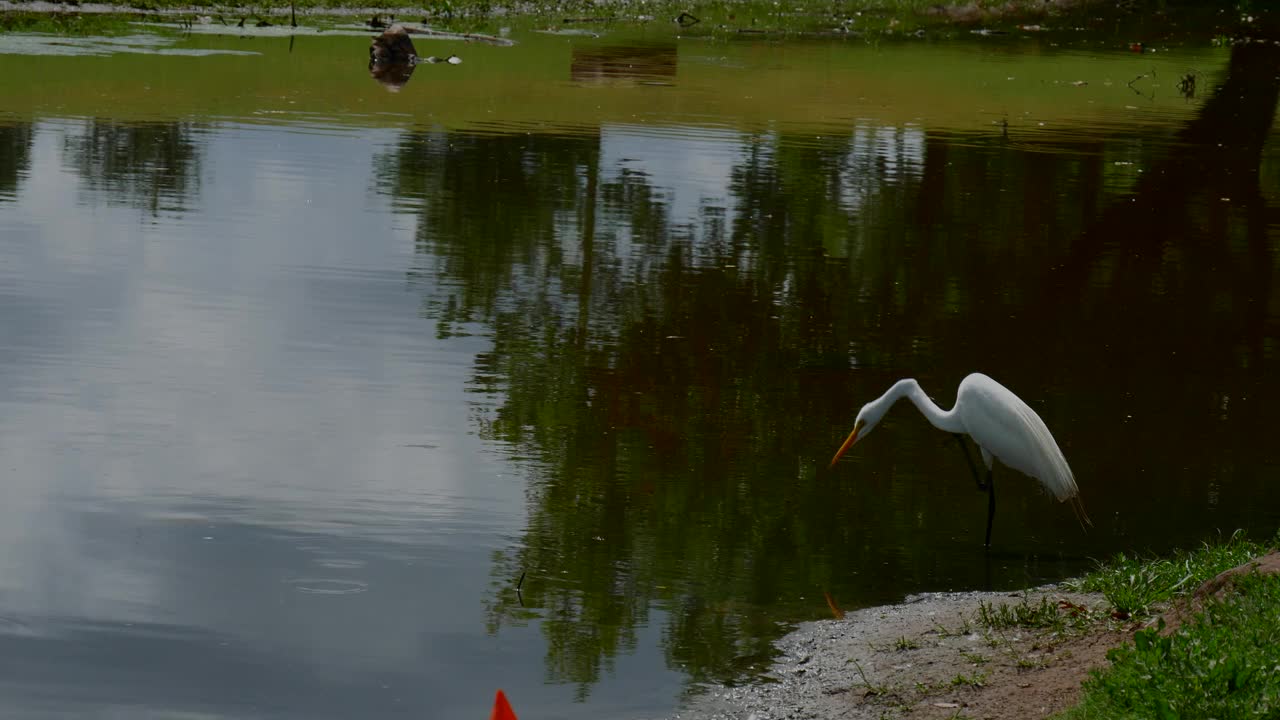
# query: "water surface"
[321,400]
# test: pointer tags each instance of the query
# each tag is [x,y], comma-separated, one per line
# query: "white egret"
[1002,425]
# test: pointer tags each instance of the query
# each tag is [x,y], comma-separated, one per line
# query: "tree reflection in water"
[153,166]
[673,381]
[15,157]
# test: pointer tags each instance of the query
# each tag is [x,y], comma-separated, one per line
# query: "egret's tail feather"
[1077,507]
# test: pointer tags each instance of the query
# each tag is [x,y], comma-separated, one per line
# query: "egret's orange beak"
[848,442]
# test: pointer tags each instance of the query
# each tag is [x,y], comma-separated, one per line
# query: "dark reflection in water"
[153,166]
[679,345]
[15,157]
[653,63]
[393,76]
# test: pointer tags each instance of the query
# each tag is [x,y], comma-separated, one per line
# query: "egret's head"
[868,416]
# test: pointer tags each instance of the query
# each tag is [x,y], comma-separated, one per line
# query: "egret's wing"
[1009,429]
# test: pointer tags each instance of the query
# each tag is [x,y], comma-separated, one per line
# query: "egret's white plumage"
[1002,425]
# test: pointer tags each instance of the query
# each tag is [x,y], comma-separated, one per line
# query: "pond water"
[328,398]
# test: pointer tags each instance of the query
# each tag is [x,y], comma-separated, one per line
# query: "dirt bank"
[929,657]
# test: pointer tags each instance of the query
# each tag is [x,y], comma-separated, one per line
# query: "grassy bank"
[873,20]
[1222,662]
[852,17]
[956,9]
[982,655]
[1218,657]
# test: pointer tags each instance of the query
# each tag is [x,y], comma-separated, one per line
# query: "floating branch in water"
[1143,77]
[473,37]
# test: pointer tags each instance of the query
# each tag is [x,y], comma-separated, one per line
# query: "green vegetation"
[1132,585]
[1056,619]
[869,18]
[1225,664]
[1031,662]
[977,679]
[63,23]
[905,643]
[872,689]
[744,81]
[1002,616]
[856,14]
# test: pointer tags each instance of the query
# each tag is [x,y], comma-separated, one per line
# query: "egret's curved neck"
[942,419]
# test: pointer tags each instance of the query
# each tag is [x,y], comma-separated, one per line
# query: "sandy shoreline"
[927,657]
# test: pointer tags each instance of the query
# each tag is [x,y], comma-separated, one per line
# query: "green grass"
[1225,664]
[977,679]
[872,689]
[905,643]
[66,23]
[1044,615]
[1031,663]
[594,8]
[1133,585]
[1024,614]
[851,18]
[878,18]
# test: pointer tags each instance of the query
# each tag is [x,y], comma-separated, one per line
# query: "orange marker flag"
[501,708]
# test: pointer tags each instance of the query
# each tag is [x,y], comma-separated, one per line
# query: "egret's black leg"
[986,485]
[991,506]
[969,461]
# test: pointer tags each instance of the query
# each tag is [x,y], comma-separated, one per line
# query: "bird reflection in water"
[393,76]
